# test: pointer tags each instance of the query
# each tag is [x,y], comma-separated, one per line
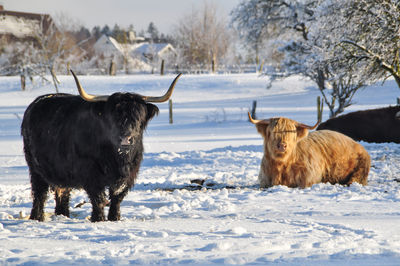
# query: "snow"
[229,220]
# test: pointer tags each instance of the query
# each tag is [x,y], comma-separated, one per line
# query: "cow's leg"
[62,196]
[98,200]
[360,171]
[116,197]
[40,189]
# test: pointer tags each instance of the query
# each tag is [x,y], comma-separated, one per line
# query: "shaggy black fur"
[72,143]
[375,125]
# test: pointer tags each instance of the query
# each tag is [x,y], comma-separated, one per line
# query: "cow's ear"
[301,132]
[262,129]
[152,110]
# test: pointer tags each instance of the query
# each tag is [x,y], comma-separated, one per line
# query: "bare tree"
[202,37]
[57,45]
[20,58]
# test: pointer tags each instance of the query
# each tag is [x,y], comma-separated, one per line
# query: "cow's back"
[375,125]
[336,154]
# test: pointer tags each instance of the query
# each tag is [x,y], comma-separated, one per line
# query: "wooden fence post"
[112,69]
[162,68]
[171,120]
[23,83]
[253,110]
[261,68]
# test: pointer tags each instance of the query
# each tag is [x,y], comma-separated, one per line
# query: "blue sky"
[139,13]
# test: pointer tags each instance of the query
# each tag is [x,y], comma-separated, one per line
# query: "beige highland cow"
[294,157]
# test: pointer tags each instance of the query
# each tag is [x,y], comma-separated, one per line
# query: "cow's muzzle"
[282,146]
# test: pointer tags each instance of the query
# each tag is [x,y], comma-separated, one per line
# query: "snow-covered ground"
[228,221]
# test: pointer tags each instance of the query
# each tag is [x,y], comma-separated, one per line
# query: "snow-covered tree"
[326,40]
[319,56]
[369,34]
[21,59]
[261,22]
[48,51]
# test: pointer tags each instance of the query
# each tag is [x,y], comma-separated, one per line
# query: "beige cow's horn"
[166,96]
[86,96]
[255,121]
[97,98]
[309,127]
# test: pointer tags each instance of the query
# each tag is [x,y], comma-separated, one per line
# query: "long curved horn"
[309,127]
[255,121]
[166,96]
[86,96]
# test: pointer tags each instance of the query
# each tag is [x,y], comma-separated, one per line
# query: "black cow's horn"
[86,96]
[165,97]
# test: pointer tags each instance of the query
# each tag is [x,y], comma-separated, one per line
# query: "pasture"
[166,218]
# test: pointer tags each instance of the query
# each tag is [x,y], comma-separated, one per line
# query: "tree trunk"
[397,79]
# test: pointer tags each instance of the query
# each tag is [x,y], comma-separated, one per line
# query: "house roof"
[22,24]
[153,48]
[108,45]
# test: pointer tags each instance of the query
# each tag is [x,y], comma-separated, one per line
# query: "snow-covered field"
[228,221]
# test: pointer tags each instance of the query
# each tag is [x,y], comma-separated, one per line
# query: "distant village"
[32,42]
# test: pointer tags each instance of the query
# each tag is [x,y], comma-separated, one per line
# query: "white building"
[155,52]
[134,57]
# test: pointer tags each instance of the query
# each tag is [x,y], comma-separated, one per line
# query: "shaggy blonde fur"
[296,158]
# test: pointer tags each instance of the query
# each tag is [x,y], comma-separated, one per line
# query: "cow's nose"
[282,146]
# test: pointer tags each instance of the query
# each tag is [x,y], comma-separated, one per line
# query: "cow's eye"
[128,140]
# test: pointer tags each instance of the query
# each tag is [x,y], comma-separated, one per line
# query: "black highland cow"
[89,142]
[375,125]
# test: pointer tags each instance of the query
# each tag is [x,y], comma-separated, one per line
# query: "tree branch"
[376,57]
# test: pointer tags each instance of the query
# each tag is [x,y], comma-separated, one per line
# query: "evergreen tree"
[96,32]
[152,31]
[119,34]
[106,30]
